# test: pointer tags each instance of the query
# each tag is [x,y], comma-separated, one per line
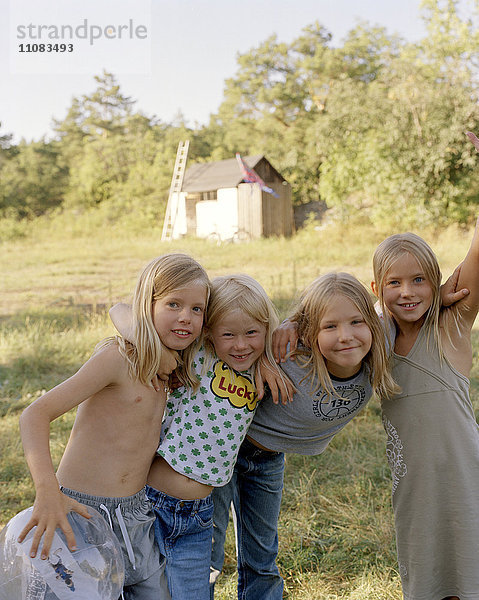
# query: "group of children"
[165,464]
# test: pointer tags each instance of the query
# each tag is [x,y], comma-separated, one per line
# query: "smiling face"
[178,316]
[344,338]
[238,339]
[407,293]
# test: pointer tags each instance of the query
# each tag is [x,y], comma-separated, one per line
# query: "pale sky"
[193,46]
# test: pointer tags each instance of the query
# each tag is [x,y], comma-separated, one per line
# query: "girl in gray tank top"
[433,437]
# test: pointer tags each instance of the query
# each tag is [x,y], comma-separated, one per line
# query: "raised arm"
[469,278]
[51,506]
[469,270]
[449,291]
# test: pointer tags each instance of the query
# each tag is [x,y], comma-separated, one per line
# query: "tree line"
[374,127]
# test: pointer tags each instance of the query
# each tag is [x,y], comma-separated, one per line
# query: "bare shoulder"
[109,362]
[108,353]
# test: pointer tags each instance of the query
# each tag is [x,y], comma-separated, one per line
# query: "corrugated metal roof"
[205,177]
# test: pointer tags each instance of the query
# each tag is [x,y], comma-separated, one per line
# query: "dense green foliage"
[374,127]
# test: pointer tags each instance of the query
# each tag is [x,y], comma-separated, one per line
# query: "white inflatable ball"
[95,571]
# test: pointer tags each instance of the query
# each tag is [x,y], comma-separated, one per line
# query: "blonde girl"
[117,424]
[167,297]
[433,437]
[204,427]
[315,301]
[340,362]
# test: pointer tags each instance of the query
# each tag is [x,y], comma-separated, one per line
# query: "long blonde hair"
[242,292]
[387,253]
[162,276]
[313,303]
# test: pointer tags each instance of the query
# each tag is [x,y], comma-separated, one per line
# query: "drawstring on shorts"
[124,533]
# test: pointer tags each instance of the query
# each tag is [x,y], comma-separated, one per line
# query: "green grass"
[336,529]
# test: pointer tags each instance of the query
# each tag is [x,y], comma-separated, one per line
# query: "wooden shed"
[214,202]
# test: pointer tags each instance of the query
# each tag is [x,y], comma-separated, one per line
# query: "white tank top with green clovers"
[203,429]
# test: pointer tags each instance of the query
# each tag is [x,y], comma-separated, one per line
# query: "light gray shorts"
[144,573]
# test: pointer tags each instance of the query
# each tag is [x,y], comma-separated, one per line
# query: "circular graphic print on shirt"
[347,400]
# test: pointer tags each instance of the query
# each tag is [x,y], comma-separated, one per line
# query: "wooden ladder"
[175,188]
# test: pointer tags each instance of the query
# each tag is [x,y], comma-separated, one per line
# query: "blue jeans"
[222,499]
[255,489]
[183,532]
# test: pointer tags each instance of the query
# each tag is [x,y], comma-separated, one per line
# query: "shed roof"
[205,177]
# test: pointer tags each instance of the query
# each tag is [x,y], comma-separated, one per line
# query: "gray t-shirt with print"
[308,423]
[203,429]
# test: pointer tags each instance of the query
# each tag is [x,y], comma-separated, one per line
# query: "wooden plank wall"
[261,214]
[278,212]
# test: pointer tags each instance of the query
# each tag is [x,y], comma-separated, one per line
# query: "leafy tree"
[267,109]
[32,182]
[102,113]
[405,160]
[7,149]
[278,103]
[98,116]
[374,127]
[5,140]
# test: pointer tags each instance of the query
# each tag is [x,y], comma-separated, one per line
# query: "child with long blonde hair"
[433,437]
[205,425]
[117,425]
[314,302]
[340,362]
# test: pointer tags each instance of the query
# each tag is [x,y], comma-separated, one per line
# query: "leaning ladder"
[175,188]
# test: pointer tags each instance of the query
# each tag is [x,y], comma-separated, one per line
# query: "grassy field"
[336,531]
